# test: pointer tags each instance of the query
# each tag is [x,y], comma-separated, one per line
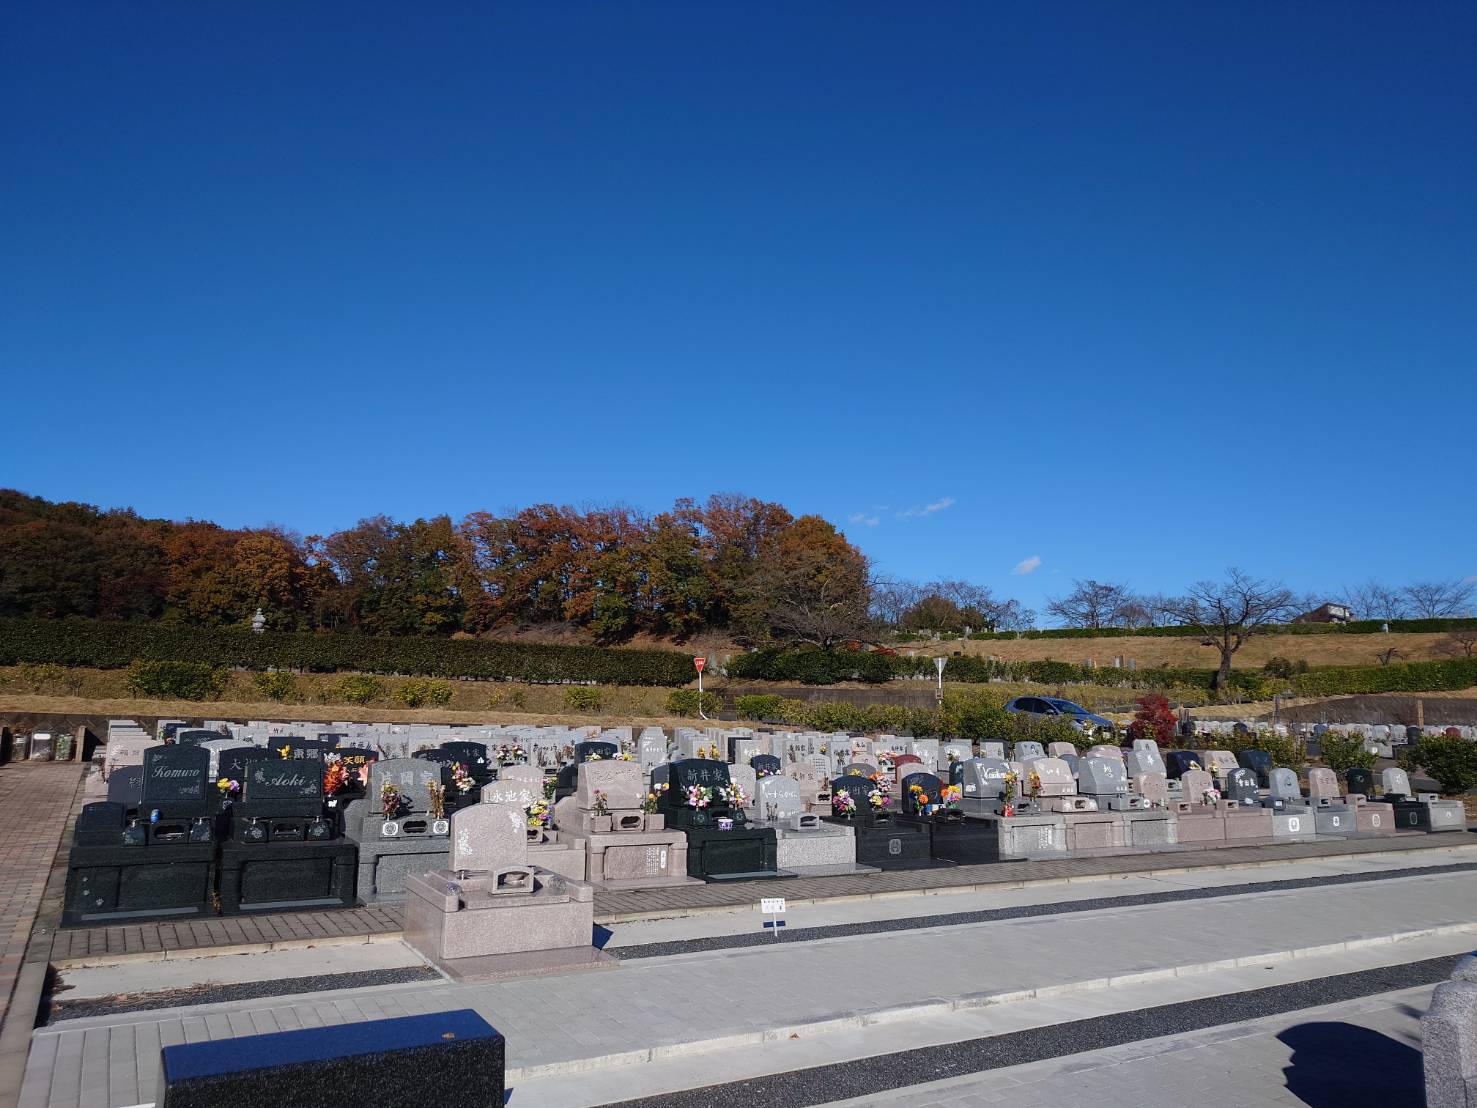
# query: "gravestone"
[176,780]
[1395,780]
[765,765]
[992,750]
[920,803]
[1283,783]
[1323,785]
[194,736]
[1241,787]
[489,837]
[1360,781]
[1177,762]
[1145,757]
[1260,764]
[126,786]
[777,798]
[1196,784]
[719,844]
[1027,749]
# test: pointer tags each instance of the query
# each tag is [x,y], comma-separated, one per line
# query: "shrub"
[49,678]
[1155,719]
[176,680]
[276,685]
[1450,760]
[1278,666]
[116,645]
[582,698]
[360,688]
[1341,752]
[760,706]
[813,667]
[423,690]
[685,702]
[507,698]
[1287,752]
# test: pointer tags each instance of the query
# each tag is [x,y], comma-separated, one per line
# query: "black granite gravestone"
[721,845]
[1360,780]
[160,864]
[449,1059]
[1177,762]
[126,786]
[883,839]
[1260,763]
[1241,787]
[284,852]
[766,765]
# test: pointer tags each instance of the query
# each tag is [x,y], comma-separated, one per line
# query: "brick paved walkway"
[35,802]
[150,940]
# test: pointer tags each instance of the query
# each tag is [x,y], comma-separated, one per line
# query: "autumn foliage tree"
[1154,719]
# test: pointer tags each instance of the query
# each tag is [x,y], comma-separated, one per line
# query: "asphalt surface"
[1024,911]
[879,1073]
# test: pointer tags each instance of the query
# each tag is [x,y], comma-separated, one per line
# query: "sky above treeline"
[1015,293]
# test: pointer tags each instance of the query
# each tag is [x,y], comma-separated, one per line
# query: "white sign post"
[700,661]
[773,906]
[938,664]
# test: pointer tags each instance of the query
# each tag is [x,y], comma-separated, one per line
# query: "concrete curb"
[935,1007]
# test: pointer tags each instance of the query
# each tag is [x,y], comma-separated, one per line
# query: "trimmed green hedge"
[814,667]
[1357,627]
[118,645]
[1456,673]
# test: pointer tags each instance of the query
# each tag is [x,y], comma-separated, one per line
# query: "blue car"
[1054,707]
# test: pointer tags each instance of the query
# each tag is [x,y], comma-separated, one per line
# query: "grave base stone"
[1431,815]
[274,877]
[1042,835]
[888,841]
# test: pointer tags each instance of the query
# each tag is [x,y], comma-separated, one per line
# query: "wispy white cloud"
[928,509]
[1027,565]
[864,519]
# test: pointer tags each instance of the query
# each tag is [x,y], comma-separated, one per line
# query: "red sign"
[700,662]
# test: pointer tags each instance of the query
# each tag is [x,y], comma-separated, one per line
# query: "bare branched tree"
[1438,599]
[1090,604]
[1229,612]
[1460,643]
[1373,600]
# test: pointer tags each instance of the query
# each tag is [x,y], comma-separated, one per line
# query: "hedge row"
[1357,627]
[117,645]
[817,667]
[1456,673]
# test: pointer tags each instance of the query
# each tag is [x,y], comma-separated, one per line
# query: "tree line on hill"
[733,563]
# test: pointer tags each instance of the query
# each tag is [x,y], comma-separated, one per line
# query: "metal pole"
[700,712]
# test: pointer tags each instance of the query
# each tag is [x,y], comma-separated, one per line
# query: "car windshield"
[1068,706]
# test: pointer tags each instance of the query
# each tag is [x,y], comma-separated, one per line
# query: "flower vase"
[655,821]
[535,835]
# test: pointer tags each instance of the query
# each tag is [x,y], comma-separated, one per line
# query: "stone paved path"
[557,1022]
[261,932]
[1357,1054]
[35,801]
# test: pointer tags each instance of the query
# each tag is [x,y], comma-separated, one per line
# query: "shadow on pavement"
[1341,1065]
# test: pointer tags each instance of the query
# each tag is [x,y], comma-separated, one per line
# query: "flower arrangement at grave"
[625,756]
[335,777]
[709,752]
[1212,795]
[436,794]
[1033,784]
[886,759]
[602,803]
[825,749]
[877,799]
[284,751]
[461,780]
[566,753]
[763,773]
[550,785]
[920,798]
[734,796]
[511,754]
[228,786]
[594,756]
[882,783]
[539,815]
[653,798]
[390,800]
[1007,794]
[950,796]
[699,796]
[843,803]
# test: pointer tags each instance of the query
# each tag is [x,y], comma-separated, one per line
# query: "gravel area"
[217,992]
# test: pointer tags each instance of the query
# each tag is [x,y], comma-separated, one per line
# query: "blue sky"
[1134,291]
